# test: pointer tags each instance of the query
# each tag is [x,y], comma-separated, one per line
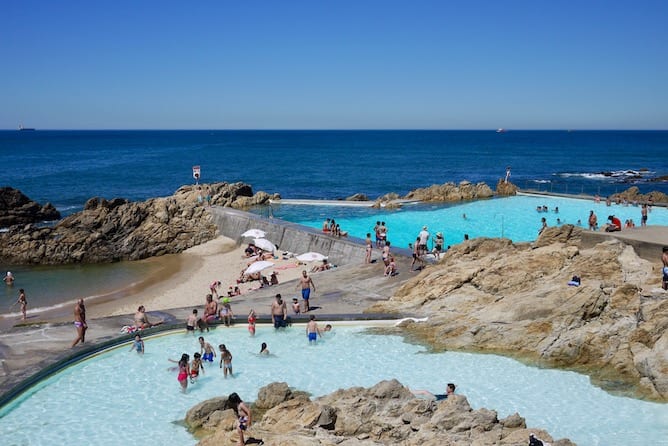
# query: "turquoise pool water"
[515,217]
[119,397]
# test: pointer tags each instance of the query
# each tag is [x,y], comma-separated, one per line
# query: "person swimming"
[263,349]
[9,278]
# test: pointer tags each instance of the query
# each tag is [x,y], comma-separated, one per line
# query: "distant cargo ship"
[25,129]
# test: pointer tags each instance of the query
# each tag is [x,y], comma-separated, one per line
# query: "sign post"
[196,174]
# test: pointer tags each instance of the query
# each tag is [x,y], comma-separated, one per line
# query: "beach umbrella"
[256,267]
[255,233]
[264,244]
[311,256]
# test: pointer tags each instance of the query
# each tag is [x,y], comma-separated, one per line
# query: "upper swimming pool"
[515,217]
[118,396]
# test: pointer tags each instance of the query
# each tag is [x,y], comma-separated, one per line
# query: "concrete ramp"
[289,237]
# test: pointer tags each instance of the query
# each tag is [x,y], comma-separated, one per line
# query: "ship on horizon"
[25,129]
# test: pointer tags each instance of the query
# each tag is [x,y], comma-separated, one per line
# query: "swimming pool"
[514,217]
[126,397]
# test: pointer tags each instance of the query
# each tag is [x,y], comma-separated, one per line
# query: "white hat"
[424,227]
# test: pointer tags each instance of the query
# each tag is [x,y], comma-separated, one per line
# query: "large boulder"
[113,230]
[17,209]
[387,413]
[450,192]
[514,299]
[505,188]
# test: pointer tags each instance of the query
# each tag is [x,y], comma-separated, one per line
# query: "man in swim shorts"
[306,283]
[279,312]
[312,330]
[207,351]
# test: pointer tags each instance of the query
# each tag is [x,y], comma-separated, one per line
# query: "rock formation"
[108,231]
[18,209]
[633,195]
[449,192]
[493,295]
[387,413]
[504,189]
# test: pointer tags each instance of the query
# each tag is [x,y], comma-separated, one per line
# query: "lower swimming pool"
[514,217]
[119,397]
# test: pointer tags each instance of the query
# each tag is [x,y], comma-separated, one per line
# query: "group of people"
[331,227]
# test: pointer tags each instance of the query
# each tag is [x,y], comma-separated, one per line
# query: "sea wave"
[615,175]
[541,181]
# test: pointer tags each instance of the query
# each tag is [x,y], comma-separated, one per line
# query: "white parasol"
[264,244]
[311,256]
[255,233]
[258,266]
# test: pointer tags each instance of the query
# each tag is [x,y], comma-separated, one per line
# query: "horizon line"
[505,130]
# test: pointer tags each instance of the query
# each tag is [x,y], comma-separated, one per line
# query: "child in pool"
[296,308]
[225,360]
[184,371]
[263,349]
[195,367]
[251,322]
[138,345]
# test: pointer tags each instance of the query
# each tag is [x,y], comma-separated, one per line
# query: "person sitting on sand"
[273,278]
[141,319]
[391,268]
[450,390]
[325,266]
[251,250]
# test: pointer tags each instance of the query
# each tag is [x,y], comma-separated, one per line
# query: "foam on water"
[120,394]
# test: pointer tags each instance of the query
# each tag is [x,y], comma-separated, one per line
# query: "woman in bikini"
[243,415]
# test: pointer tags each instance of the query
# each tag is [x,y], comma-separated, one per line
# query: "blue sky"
[338,64]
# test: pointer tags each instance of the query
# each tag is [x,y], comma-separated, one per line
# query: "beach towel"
[129,329]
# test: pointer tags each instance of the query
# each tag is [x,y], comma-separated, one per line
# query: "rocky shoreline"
[387,413]
[494,296]
[113,230]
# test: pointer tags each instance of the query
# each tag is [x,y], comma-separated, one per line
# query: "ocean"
[66,168]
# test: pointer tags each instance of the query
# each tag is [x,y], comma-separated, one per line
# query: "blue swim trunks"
[208,357]
[306,293]
[312,336]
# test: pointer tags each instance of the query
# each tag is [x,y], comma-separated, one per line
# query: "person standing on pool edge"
[306,283]
[80,322]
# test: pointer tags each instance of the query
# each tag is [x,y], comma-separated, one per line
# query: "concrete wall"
[288,236]
[650,251]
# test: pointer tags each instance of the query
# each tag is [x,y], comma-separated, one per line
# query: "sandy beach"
[219,259]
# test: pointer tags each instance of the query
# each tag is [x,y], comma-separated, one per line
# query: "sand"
[219,259]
